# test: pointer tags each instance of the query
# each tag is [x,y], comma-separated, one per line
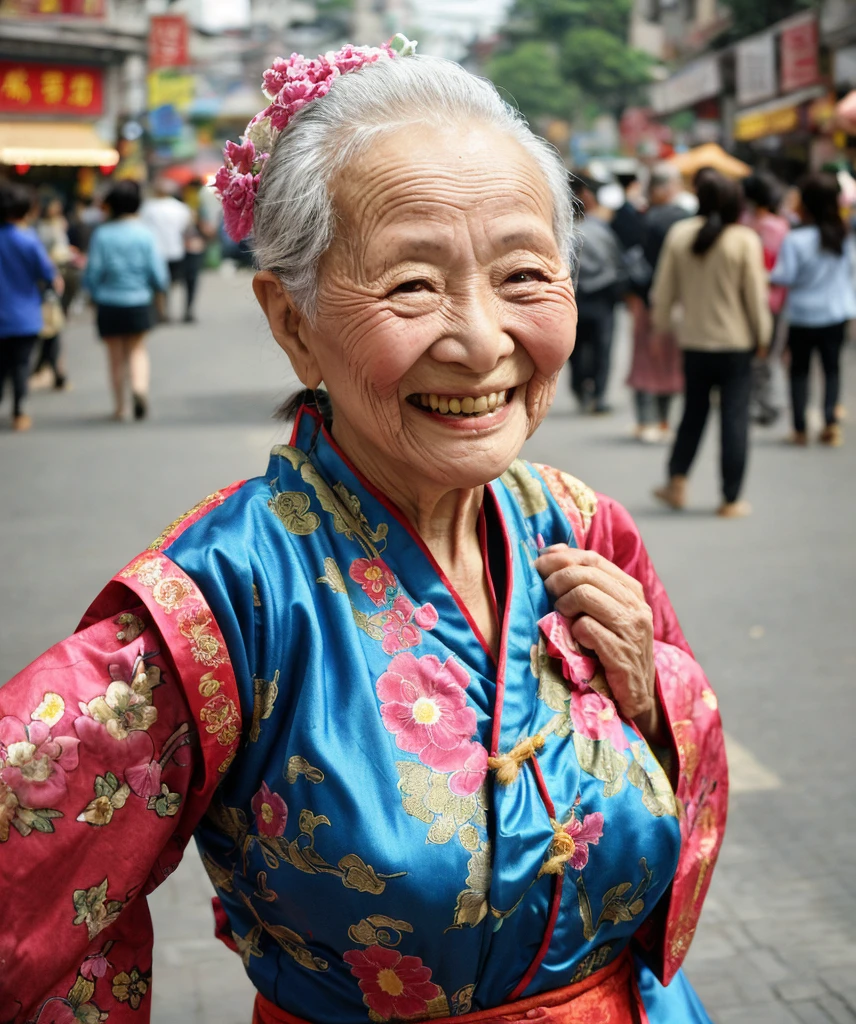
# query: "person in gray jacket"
[601,284]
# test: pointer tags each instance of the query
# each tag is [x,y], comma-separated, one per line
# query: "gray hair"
[294,222]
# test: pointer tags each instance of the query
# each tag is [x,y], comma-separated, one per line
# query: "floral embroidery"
[130,627]
[146,568]
[222,719]
[271,812]
[393,986]
[130,988]
[265,692]
[127,707]
[583,833]
[217,497]
[425,708]
[292,508]
[298,765]
[94,909]
[95,965]
[618,906]
[397,624]
[50,710]
[34,764]
[374,576]
[109,797]
[165,804]
[472,904]
[427,795]
[576,499]
[204,646]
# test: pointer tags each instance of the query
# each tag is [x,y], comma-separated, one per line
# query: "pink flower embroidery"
[398,626]
[425,708]
[395,987]
[584,833]
[374,576]
[270,810]
[35,763]
[94,966]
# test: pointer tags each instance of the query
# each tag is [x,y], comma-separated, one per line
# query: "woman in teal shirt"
[122,275]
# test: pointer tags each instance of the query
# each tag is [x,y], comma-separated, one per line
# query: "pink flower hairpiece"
[289,84]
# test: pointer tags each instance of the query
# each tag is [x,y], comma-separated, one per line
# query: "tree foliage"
[748,16]
[530,75]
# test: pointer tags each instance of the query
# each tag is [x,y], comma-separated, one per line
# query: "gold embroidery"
[298,765]
[257,601]
[462,1000]
[264,695]
[617,905]
[220,877]
[208,685]
[687,748]
[563,485]
[222,719]
[216,496]
[170,593]
[378,930]
[527,489]
[292,510]
[130,627]
[333,577]
[426,796]
[147,570]
[657,794]
[592,962]
[472,904]
[204,646]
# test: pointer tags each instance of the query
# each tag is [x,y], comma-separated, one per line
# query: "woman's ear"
[285,323]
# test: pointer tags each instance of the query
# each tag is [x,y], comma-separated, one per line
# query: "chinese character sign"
[799,55]
[27,88]
[168,41]
[52,8]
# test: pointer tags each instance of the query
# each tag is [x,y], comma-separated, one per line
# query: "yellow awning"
[54,144]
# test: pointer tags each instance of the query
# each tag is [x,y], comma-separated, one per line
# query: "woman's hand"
[609,615]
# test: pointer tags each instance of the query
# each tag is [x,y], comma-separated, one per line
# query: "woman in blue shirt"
[25,270]
[817,263]
[123,273]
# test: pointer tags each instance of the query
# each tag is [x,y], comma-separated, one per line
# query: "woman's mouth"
[462,406]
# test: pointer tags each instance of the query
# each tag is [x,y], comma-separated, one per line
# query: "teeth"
[465,405]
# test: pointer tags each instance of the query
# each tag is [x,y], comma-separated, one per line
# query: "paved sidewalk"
[768,604]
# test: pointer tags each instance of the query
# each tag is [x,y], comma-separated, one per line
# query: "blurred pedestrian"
[52,229]
[656,374]
[712,267]
[25,270]
[764,195]
[123,274]
[601,284]
[168,218]
[196,238]
[817,264]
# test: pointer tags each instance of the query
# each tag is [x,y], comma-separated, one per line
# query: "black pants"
[591,356]
[15,354]
[731,373]
[802,341]
[48,355]
[192,266]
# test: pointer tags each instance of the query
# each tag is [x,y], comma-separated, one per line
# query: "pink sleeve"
[111,746]
[690,706]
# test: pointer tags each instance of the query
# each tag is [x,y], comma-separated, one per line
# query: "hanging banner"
[168,41]
[169,88]
[27,88]
[798,45]
[52,8]
[755,66]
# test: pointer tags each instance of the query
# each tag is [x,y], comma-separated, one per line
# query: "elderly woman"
[418,701]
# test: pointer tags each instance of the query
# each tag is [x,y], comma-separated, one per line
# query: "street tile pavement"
[767,604]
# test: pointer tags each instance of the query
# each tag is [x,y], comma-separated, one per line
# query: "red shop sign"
[168,41]
[27,88]
[798,45]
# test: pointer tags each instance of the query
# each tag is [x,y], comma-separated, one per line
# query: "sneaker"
[141,407]
[648,435]
[674,494]
[734,510]
[832,436]
[22,422]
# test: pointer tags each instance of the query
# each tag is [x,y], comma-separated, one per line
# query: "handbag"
[53,318]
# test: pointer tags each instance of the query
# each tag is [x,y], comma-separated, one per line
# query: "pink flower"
[594,716]
[469,778]
[351,57]
[241,157]
[238,192]
[397,624]
[425,708]
[374,576]
[576,668]
[270,810]
[584,833]
[426,616]
[283,70]
[395,987]
[94,966]
[34,762]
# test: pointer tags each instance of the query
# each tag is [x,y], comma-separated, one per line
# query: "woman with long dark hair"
[123,274]
[817,263]
[712,269]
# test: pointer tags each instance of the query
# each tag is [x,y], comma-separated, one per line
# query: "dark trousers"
[48,355]
[591,356]
[731,374]
[802,341]
[192,266]
[15,354]
[651,409]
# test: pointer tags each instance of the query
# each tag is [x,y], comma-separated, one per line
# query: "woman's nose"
[476,336]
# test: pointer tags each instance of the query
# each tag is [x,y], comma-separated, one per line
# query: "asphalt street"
[767,603]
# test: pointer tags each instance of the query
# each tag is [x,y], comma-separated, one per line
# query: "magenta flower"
[584,833]
[595,717]
[271,812]
[351,57]
[398,629]
[94,966]
[238,192]
[374,576]
[425,708]
[426,616]
[467,779]
[241,157]
[34,764]
[395,987]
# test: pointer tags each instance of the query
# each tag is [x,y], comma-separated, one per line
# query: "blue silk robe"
[398,825]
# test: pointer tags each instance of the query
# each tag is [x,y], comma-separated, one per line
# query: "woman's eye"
[407,287]
[525,277]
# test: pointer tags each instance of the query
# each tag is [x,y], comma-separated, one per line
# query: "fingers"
[630,677]
[561,556]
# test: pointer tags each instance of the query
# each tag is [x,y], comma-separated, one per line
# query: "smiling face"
[445,309]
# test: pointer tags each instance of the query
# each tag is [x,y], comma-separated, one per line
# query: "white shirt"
[168,218]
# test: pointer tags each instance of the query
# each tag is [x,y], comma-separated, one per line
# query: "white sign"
[698,81]
[756,69]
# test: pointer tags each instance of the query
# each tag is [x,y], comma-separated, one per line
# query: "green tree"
[530,75]
[748,16]
[602,65]
[552,19]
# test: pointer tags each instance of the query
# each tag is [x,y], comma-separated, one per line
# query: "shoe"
[22,422]
[41,380]
[63,384]
[799,438]
[674,494]
[189,318]
[734,510]
[832,436]
[141,407]
[648,435]
[601,409]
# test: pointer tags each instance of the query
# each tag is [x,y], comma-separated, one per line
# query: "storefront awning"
[54,144]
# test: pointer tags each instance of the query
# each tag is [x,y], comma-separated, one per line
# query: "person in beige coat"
[711,290]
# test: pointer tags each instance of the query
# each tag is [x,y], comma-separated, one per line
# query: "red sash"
[608,996]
